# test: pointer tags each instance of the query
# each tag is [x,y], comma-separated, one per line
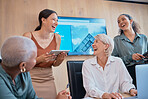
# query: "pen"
[68,94]
[67,85]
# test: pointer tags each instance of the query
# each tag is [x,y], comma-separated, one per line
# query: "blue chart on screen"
[77,34]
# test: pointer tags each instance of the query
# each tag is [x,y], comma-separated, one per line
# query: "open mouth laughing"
[95,49]
[122,25]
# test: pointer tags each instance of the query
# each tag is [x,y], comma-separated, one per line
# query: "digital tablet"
[145,54]
[56,52]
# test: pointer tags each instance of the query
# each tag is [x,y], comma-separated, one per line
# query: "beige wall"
[19,16]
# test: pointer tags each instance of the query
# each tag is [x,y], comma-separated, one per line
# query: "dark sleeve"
[5,92]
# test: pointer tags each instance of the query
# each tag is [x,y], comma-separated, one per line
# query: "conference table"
[125,95]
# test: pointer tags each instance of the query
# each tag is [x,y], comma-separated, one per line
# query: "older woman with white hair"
[18,57]
[104,75]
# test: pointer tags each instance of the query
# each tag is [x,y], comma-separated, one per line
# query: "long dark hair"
[44,14]
[135,25]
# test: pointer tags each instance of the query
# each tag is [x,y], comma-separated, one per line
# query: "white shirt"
[113,78]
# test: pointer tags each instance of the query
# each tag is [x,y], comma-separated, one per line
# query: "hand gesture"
[133,92]
[46,58]
[63,95]
[137,56]
[112,95]
[61,56]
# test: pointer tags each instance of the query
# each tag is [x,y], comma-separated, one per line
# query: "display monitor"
[77,34]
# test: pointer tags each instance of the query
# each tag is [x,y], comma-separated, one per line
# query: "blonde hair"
[106,40]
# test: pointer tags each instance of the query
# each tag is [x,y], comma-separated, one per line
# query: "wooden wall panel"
[55,5]
[143,18]
[95,8]
[139,12]
[68,7]
[32,9]
[19,16]
[0,22]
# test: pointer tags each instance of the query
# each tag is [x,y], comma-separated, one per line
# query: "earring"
[23,70]
[105,51]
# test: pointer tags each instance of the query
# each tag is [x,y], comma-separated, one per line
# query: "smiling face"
[51,22]
[99,47]
[124,23]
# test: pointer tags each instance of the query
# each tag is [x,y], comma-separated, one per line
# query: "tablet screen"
[56,52]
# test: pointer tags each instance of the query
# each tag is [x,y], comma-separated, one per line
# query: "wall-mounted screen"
[77,34]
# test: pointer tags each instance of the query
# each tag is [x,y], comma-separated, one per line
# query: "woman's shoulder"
[116,58]
[143,35]
[26,76]
[57,36]
[117,37]
[27,34]
[89,60]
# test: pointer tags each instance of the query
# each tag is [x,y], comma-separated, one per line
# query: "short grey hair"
[17,49]
[106,40]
